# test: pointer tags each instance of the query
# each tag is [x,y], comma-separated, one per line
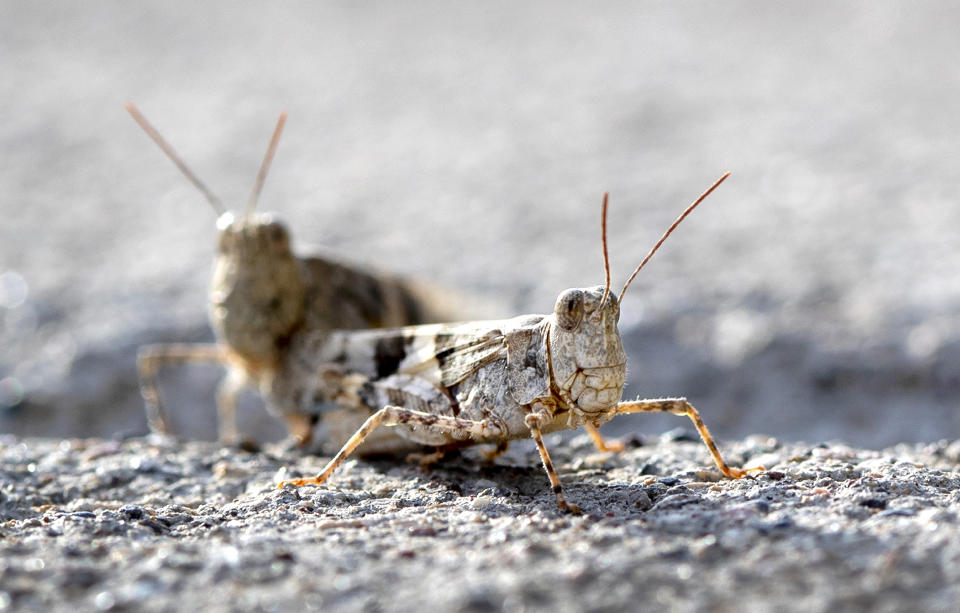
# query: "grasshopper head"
[586,353]
[256,294]
[587,359]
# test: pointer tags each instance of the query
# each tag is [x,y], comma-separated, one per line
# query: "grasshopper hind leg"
[432,457]
[395,416]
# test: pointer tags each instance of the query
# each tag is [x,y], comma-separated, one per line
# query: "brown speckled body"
[495,371]
[488,382]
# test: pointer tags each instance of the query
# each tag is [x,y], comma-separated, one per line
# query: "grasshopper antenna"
[168,150]
[265,166]
[671,229]
[603,239]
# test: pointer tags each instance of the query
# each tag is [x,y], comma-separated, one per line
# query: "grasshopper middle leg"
[680,406]
[601,443]
[149,361]
[497,451]
[394,416]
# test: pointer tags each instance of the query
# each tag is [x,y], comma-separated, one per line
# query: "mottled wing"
[459,356]
[443,354]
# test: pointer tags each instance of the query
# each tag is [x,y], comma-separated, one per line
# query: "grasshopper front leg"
[533,422]
[395,416]
[680,406]
[152,357]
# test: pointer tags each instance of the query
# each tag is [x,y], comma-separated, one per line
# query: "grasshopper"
[263,297]
[495,381]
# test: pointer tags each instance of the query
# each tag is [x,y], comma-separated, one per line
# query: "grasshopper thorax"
[586,353]
[256,294]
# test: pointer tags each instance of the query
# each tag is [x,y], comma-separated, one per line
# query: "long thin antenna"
[265,166]
[603,239]
[167,149]
[669,230]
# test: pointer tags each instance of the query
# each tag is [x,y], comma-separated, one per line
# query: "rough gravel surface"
[815,295]
[163,526]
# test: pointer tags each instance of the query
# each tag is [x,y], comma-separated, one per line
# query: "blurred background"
[815,296]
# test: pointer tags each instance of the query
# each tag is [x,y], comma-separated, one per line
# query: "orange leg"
[533,422]
[393,416]
[601,443]
[149,360]
[680,406]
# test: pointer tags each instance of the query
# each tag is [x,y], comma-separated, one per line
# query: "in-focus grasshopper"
[263,298]
[490,382]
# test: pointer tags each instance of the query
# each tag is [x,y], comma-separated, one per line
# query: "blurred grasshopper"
[494,381]
[263,297]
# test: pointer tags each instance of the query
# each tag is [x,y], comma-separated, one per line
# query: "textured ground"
[131,525]
[814,296]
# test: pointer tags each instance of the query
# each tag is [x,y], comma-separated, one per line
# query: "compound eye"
[277,234]
[615,306]
[569,309]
